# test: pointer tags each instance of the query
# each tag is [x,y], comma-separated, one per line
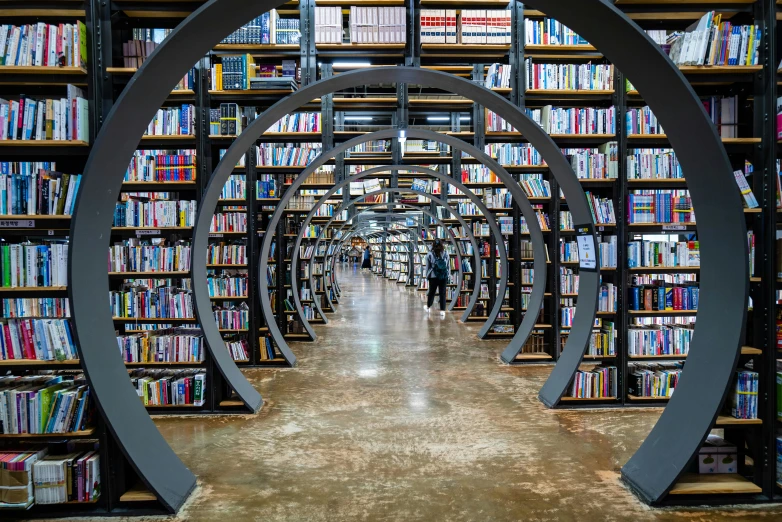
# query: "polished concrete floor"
[393,415]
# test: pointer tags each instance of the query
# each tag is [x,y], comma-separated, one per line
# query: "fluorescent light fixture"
[358,118]
[464,118]
[438,118]
[351,64]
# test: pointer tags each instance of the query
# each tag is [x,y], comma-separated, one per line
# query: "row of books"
[130,256]
[143,43]
[266,29]
[40,193]
[548,31]
[226,254]
[46,307]
[660,206]
[233,319]
[514,154]
[653,164]
[43,404]
[603,342]
[572,120]
[266,187]
[653,379]
[467,26]
[591,384]
[498,76]
[34,265]
[664,298]
[169,345]
[173,121]
[602,209]
[228,286]
[158,303]
[713,42]
[596,163]
[170,387]
[229,222]
[744,396]
[74,477]
[30,119]
[44,45]
[162,166]
[607,251]
[534,185]
[37,339]
[239,350]
[569,76]
[663,254]
[136,213]
[298,122]
[385,25]
[568,281]
[543,222]
[656,340]
[271,155]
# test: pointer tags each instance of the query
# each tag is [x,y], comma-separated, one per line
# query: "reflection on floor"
[393,415]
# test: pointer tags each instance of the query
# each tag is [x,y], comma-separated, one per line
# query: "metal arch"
[589,281]
[724,279]
[450,237]
[157,465]
[442,177]
[410,232]
[262,282]
[127,420]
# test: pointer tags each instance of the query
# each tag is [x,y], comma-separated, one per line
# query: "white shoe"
[426,309]
[442,314]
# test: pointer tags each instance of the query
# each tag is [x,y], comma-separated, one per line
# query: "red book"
[20,120]
[29,345]
[8,346]
[187,392]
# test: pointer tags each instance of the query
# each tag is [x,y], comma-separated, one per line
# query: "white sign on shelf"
[587,255]
[150,232]
[674,227]
[17,223]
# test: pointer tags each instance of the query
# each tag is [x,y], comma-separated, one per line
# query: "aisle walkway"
[395,416]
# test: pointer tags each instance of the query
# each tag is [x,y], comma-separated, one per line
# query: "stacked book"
[44,404]
[36,340]
[40,193]
[144,42]
[46,119]
[710,41]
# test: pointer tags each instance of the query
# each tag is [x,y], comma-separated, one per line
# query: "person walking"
[438,273]
[367,263]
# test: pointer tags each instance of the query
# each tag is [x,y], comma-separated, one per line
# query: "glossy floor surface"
[394,415]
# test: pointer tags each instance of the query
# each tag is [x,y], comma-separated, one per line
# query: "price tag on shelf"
[152,232]
[674,227]
[215,235]
[51,232]
[587,255]
[17,223]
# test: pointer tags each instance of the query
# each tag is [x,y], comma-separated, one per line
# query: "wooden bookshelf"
[561,48]
[34,289]
[90,432]
[43,143]
[591,399]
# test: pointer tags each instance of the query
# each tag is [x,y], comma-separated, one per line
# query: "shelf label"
[215,235]
[51,232]
[587,256]
[674,227]
[152,232]
[17,223]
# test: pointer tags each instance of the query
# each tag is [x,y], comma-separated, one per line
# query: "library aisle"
[395,416]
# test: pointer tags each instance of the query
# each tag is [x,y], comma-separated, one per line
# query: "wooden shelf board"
[663,312]
[362,46]
[727,420]
[36,362]
[231,403]
[172,406]
[158,183]
[569,92]
[663,268]
[173,137]
[138,493]
[85,433]
[33,216]
[34,289]
[649,398]
[713,484]
[149,274]
[153,319]
[534,357]
[546,47]
[672,356]
[257,47]
[465,46]
[665,137]
[227,266]
[36,69]
[43,143]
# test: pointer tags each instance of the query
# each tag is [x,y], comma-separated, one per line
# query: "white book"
[39,125]
[4,31]
[39,49]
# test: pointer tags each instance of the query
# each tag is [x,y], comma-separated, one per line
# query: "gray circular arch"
[263,286]
[417,240]
[661,458]
[442,177]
